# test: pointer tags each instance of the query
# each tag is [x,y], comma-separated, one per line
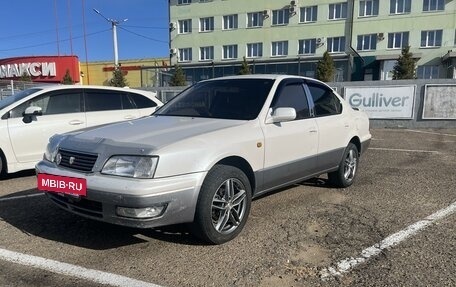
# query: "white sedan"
[205,154]
[29,118]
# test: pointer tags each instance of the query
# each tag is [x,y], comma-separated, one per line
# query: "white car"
[205,154]
[29,118]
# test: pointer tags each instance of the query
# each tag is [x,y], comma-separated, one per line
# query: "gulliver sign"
[394,102]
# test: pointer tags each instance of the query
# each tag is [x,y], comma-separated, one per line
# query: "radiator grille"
[77,160]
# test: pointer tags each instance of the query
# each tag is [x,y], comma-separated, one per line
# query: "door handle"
[313,130]
[129,117]
[76,122]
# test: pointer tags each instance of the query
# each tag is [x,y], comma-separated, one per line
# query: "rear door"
[333,125]
[61,112]
[105,106]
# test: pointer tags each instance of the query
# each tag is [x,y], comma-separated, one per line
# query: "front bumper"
[106,193]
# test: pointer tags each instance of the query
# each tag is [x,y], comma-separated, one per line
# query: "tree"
[405,65]
[245,69]
[325,68]
[25,77]
[67,80]
[118,78]
[178,78]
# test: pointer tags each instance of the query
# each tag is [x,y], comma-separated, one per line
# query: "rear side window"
[326,102]
[102,100]
[141,101]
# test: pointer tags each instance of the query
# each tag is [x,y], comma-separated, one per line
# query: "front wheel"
[348,167]
[223,205]
[2,165]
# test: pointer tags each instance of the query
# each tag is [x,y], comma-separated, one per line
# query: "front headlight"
[52,148]
[131,166]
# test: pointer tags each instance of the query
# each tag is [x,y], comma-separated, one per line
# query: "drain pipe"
[352,49]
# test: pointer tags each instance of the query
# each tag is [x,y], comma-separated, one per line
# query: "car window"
[292,96]
[99,100]
[326,102]
[127,102]
[141,101]
[52,103]
[17,97]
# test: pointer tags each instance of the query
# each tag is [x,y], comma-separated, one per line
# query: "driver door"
[291,147]
[61,112]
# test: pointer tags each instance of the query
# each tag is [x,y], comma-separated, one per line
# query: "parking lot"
[394,227]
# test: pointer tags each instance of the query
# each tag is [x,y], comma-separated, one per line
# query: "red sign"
[62,184]
[50,69]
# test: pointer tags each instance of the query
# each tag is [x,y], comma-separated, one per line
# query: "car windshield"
[16,97]
[235,99]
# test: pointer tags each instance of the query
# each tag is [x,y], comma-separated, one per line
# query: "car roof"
[66,87]
[262,76]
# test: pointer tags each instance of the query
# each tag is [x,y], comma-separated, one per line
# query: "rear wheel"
[223,205]
[348,167]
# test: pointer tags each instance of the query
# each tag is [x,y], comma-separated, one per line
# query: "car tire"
[223,205]
[2,165]
[348,167]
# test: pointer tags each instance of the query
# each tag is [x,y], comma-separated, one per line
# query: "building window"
[185,26]
[398,40]
[280,17]
[307,46]
[433,5]
[254,50]
[230,52]
[336,44]
[427,72]
[431,38]
[255,19]
[230,22]
[205,1]
[400,6]
[185,55]
[367,42]
[184,2]
[207,53]
[279,48]
[368,8]
[207,24]
[337,11]
[308,14]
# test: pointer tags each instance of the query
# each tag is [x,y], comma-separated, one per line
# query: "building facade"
[210,38]
[149,72]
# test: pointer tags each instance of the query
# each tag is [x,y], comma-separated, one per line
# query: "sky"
[56,27]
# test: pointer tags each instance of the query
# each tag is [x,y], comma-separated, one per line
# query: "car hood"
[149,133]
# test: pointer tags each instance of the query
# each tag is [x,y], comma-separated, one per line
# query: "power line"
[53,42]
[142,36]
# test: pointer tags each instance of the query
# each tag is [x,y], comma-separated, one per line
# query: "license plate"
[62,184]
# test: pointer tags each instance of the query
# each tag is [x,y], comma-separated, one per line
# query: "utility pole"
[114,24]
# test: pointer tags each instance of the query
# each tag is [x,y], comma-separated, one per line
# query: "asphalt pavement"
[394,227]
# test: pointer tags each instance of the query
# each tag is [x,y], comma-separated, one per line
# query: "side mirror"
[282,115]
[30,113]
[33,111]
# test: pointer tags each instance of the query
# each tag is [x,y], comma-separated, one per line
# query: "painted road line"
[20,197]
[431,133]
[404,150]
[347,264]
[66,269]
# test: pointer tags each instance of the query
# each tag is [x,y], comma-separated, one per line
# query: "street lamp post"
[114,24]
